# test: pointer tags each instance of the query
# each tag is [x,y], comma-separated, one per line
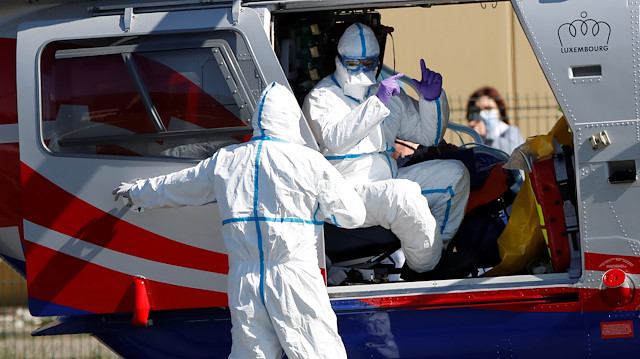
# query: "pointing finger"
[423,68]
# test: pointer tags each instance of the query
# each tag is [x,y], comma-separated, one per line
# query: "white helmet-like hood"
[278,115]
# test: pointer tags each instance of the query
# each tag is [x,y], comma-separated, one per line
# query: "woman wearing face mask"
[487,114]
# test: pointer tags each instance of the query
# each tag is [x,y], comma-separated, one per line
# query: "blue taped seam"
[264,98]
[271,219]
[390,165]
[447,211]
[439,122]
[343,157]
[255,215]
[364,45]
[255,194]
[315,213]
[267,138]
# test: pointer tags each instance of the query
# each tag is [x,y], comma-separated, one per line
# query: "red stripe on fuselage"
[542,299]
[51,207]
[604,262]
[75,283]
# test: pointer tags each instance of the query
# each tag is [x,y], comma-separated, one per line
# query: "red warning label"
[611,330]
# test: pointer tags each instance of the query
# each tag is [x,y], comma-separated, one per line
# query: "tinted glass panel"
[122,100]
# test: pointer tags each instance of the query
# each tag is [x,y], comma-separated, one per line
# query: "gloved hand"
[122,190]
[431,85]
[388,87]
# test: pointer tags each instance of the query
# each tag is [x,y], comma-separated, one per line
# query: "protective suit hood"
[277,115]
[358,40]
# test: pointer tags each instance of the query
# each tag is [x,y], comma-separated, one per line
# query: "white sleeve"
[337,126]
[338,200]
[189,187]
[423,121]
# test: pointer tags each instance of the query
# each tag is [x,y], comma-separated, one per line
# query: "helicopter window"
[182,97]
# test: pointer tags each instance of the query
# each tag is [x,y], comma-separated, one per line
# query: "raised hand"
[431,85]
[388,87]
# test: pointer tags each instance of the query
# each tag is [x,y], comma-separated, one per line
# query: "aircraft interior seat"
[342,245]
[362,250]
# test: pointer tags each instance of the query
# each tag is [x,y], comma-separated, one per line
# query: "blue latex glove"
[431,84]
[388,87]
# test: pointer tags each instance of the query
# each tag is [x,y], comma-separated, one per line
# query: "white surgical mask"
[354,83]
[491,118]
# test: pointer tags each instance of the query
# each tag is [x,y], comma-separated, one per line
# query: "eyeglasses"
[365,64]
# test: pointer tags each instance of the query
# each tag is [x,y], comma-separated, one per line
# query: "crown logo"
[584,30]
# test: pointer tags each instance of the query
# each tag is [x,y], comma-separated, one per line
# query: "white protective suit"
[357,135]
[273,195]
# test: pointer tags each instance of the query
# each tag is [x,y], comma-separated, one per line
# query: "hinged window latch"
[127,17]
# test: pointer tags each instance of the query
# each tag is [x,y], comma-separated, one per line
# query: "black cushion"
[347,244]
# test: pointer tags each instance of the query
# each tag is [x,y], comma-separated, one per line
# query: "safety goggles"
[365,64]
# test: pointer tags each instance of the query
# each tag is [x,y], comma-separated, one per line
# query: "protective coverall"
[273,195]
[356,132]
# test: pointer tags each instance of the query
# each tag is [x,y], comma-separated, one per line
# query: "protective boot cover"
[273,196]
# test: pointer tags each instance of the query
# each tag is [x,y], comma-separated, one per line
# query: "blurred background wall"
[474,45]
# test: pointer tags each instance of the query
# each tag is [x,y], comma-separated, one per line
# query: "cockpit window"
[170,97]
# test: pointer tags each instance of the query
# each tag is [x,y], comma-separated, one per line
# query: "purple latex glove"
[388,87]
[431,84]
